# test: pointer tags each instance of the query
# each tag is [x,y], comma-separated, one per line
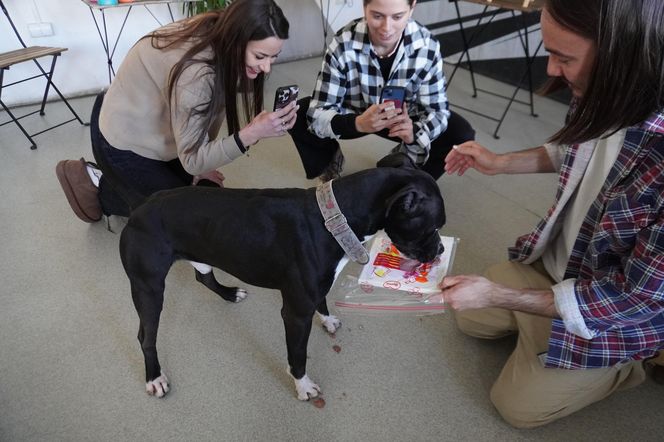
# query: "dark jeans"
[316,153]
[128,178]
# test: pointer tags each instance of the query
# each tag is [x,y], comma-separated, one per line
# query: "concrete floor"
[71,368]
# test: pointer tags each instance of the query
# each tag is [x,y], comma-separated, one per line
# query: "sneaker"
[334,169]
[81,193]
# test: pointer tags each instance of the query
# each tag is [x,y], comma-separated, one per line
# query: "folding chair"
[32,53]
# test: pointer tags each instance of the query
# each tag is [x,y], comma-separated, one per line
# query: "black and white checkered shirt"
[350,81]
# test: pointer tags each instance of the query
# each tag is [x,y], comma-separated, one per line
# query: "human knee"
[460,128]
[301,126]
[515,404]
[484,323]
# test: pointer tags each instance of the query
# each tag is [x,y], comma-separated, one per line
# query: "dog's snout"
[441,249]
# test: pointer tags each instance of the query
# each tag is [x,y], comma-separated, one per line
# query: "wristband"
[239,142]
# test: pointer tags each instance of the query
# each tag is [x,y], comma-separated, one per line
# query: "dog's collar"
[337,225]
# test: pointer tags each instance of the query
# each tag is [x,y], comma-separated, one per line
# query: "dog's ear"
[407,200]
[398,159]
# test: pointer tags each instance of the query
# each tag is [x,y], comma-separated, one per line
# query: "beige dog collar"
[337,224]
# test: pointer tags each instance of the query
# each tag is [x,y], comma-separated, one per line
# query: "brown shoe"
[81,194]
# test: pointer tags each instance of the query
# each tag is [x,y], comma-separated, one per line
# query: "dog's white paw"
[331,323]
[157,387]
[241,295]
[306,388]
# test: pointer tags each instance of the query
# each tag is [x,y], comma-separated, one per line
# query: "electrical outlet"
[43,29]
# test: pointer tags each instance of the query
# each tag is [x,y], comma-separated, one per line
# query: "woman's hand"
[269,124]
[472,154]
[214,175]
[402,126]
[376,118]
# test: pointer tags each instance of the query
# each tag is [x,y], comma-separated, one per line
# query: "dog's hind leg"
[330,322]
[146,262]
[205,276]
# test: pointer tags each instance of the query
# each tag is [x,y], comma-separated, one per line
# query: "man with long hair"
[585,289]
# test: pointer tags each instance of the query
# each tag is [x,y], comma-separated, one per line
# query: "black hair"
[626,83]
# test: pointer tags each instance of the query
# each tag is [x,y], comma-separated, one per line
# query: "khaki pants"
[526,394]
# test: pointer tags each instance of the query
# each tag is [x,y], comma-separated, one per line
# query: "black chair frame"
[32,53]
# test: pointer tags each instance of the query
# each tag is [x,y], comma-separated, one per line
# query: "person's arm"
[328,95]
[624,290]
[195,87]
[464,292]
[473,155]
[534,160]
[429,111]
[627,288]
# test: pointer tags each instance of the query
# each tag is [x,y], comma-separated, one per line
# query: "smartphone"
[395,94]
[284,95]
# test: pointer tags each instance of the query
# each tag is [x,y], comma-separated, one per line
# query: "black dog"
[273,238]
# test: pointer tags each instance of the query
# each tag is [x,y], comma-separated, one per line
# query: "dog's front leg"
[298,328]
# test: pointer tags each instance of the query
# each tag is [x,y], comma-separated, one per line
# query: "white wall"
[82,69]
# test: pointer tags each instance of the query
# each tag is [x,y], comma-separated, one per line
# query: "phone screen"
[395,94]
[284,95]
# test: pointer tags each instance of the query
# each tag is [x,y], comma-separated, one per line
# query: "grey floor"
[71,368]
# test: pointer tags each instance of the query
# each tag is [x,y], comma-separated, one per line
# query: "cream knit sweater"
[136,114]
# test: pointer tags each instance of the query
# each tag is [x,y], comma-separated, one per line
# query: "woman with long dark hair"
[158,125]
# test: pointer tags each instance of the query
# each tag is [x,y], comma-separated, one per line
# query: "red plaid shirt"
[616,268]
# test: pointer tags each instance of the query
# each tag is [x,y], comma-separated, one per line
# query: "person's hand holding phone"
[285,107]
[389,114]
[285,95]
[376,118]
[401,126]
[269,124]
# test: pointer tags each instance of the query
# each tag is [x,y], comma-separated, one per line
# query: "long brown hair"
[227,32]
[627,80]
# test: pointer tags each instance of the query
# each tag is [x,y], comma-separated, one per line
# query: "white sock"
[95,174]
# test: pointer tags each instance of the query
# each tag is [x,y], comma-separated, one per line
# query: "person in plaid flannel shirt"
[592,310]
[385,47]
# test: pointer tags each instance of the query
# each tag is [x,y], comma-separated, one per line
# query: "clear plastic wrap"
[388,284]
